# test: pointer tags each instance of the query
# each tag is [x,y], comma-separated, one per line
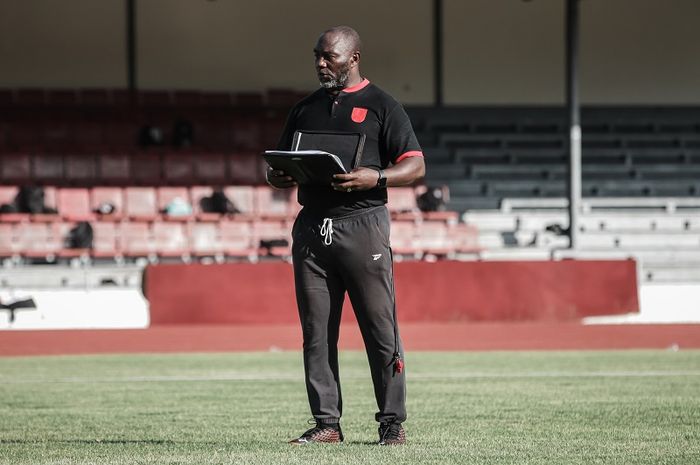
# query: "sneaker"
[322,432]
[391,434]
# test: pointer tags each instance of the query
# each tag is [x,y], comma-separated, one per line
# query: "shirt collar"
[364,83]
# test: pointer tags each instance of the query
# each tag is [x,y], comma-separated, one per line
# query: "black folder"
[317,155]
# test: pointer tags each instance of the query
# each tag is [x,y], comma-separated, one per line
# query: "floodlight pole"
[574,119]
[131,47]
[437,52]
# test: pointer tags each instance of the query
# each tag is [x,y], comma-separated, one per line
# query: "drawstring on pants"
[327,231]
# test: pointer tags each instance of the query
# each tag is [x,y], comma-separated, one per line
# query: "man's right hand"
[279,179]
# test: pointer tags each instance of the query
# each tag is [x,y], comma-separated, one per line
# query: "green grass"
[627,407]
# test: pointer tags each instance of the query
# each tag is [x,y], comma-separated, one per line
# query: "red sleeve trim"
[412,153]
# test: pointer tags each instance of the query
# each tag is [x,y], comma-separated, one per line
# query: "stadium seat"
[146,169]
[210,168]
[403,238]
[9,245]
[7,197]
[95,97]
[170,239]
[114,168]
[271,235]
[237,239]
[50,203]
[204,239]
[168,194]
[178,168]
[74,204]
[136,240]
[108,195]
[402,204]
[39,240]
[432,238]
[246,168]
[273,203]
[62,230]
[62,97]
[15,167]
[80,168]
[140,203]
[187,98]
[105,242]
[465,238]
[47,168]
[247,134]
[244,199]
[30,97]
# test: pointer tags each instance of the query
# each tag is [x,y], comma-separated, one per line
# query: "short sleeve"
[399,140]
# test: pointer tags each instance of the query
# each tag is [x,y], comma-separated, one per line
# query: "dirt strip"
[424,336]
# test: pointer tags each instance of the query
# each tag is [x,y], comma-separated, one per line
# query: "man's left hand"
[359,179]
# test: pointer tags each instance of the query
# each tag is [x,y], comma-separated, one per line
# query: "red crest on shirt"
[358,114]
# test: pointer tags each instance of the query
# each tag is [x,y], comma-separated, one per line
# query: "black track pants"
[331,257]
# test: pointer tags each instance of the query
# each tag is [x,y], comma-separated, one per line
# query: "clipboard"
[317,155]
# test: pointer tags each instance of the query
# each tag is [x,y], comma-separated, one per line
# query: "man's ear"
[355,58]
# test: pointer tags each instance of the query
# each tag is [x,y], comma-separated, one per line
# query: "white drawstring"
[327,231]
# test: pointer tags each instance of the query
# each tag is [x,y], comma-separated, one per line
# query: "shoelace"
[389,431]
[327,231]
[316,429]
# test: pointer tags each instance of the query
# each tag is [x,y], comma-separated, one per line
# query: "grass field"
[626,407]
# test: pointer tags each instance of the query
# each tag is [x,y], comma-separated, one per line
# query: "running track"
[417,336]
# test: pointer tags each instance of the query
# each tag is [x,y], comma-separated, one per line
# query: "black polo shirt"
[362,108]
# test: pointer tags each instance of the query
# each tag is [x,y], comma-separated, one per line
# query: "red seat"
[108,195]
[450,217]
[74,204]
[170,239]
[187,98]
[246,168]
[272,230]
[15,167]
[237,239]
[47,168]
[154,98]
[243,198]
[247,134]
[89,135]
[95,97]
[9,244]
[39,240]
[30,97]
[136,240]
[80,168]
[274,203]
[204,239]
[403,238]
[63,231]
[140,203]
[62,97]
[105,243]
[146,169]
[432,238]
[402,203]
[114,168]
[177,168]
[50,203]
[210,168]
[8,194]
[465,238]
[168,194]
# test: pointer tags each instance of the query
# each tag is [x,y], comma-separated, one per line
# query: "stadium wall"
[632,51]
[263,293]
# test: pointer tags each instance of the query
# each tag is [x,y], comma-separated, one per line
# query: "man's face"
[333,59]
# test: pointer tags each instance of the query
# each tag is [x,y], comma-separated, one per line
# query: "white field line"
[282,377]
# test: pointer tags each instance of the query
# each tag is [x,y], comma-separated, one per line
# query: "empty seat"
[243,198]
[15,167]
[140,203]
[170,239]
[432,238]
[246,168]
[273,203]
[177,168]
[105,242]
[402,203]
[74,204]
[204,239]
[39,240]
[103,196]
[80,168]
[47,168]
[403,238]
[210,168]
[114,168]
[237,239]
[9,245]
[146,169]
[62,97]
[136,240]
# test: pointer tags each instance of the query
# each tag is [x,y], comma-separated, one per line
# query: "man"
[341,237]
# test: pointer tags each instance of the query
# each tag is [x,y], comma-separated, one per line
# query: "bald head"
[337,55]
[346,37]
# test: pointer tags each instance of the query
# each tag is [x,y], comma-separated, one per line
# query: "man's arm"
[278,178]
[403,173]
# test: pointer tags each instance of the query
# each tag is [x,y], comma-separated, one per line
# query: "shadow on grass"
[155,442]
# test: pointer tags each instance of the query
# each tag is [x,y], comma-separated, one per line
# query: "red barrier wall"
[443,291]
